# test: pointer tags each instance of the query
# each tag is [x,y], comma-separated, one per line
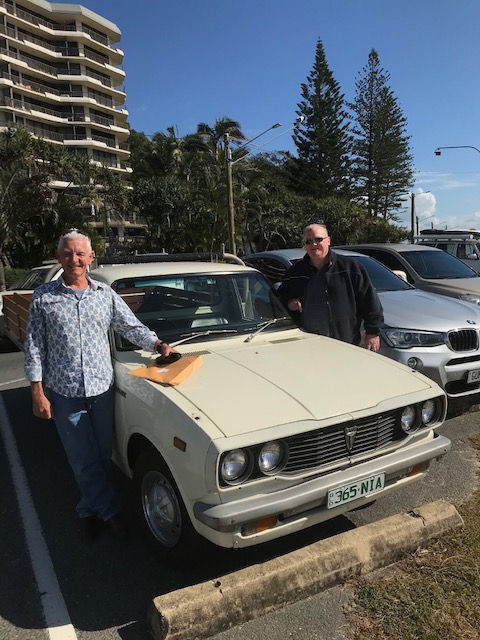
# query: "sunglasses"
[314,240]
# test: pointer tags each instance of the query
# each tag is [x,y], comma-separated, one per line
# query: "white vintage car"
[276,431]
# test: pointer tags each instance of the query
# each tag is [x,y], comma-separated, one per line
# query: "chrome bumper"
[312,493]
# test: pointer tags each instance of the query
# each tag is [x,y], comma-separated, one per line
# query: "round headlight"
[408,419]
[234,465]
[270,456]
[428,411]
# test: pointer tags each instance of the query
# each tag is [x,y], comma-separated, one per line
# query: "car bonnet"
[263,384]
[417,309]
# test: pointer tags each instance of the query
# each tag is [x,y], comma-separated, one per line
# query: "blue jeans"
[85,427]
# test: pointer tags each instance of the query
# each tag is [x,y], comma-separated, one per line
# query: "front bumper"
[447,368]
[308,497]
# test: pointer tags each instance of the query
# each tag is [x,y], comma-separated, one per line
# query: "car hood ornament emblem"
[471,322]
[350,434]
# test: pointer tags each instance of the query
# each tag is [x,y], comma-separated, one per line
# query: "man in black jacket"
[331,294]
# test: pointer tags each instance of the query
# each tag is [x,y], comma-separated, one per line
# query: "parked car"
[276,431]
[426,268]
[50,270]
[464,245]
[429,333]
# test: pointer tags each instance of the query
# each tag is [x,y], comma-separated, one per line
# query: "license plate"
[355,490]
[473,376]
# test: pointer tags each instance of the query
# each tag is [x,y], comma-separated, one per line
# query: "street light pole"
[229,163]
[412,219]
[231,207]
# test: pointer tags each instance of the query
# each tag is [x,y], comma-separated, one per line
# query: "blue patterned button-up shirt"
[66,344]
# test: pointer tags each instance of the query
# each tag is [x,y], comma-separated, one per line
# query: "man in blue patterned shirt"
[68,362]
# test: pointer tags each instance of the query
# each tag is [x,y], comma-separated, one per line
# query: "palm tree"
[214,135]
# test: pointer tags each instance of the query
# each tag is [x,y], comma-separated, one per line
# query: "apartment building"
[61,78]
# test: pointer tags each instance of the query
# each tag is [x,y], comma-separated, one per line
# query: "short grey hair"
[314,224]
[73,234]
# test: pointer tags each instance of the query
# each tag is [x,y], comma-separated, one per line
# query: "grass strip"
[433,594]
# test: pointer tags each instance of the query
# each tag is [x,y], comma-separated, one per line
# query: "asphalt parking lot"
[107,587]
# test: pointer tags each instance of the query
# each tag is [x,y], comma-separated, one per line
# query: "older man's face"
[317,242]
[75,256]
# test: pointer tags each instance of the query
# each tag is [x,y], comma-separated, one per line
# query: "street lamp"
[229,163]
[438,150]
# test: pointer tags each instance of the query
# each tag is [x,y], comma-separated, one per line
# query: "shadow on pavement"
[110,583]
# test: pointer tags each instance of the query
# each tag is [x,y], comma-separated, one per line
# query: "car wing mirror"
[401,274]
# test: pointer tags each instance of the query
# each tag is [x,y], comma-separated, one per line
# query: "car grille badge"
[350,434]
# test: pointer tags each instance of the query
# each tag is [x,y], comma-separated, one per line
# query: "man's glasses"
[314,240]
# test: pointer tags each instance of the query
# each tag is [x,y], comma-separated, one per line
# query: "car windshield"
[382,278]
[437,265]
[175,306]
[31,280]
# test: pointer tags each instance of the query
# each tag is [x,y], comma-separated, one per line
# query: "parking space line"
[55,611]
[3,384]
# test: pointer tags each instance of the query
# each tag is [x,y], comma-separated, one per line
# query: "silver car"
[433,334]
[426,268]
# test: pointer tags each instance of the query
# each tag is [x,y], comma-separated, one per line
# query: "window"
[175,306]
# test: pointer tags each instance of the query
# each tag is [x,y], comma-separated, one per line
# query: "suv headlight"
[406,338]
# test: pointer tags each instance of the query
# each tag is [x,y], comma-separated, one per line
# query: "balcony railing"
[68,51]
[36,20]
[28,106]
[43,133]
[101,120]
[95,36]
[38,87]
[107,102]
[40,66]
[95,56]
[108,141]
[105,80]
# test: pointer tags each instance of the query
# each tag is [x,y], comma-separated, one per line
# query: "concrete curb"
[208,608]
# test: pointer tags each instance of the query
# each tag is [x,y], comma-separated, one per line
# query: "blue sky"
[191,61]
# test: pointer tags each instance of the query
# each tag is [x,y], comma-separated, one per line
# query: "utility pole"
[231,208]
[412,221]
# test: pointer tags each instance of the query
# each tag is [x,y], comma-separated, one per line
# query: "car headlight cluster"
[422,414]
[238,465]
[406,338]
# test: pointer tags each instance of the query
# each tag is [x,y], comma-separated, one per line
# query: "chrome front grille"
[463,340]
[329,445]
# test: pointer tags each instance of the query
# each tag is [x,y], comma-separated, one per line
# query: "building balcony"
[32,64]
[29,107]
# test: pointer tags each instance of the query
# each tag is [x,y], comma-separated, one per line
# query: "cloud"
[446,181]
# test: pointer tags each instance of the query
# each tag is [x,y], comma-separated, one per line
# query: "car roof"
[114,272]
[394,246]
[295,254]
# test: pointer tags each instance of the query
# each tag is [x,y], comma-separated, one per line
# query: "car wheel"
[164,518]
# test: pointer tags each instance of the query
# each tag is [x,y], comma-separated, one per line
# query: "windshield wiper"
[199,334]
[264,325]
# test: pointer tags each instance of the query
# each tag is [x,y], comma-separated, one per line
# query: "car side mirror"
[401,274]
[472,256]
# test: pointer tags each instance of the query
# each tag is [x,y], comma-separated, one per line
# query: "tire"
[159,505]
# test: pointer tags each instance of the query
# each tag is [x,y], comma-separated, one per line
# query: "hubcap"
[161,508]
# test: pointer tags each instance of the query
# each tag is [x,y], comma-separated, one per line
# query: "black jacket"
[349,296]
